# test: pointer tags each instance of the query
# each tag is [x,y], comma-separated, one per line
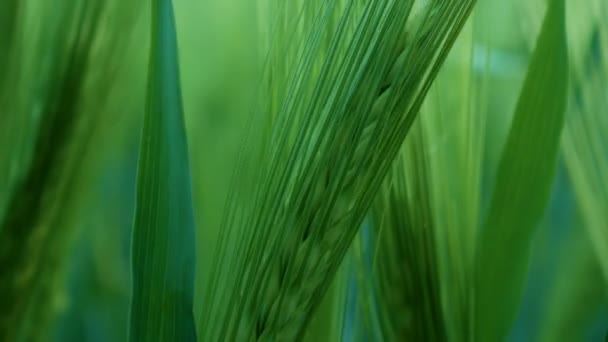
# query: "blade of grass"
[163,246]
[523,182]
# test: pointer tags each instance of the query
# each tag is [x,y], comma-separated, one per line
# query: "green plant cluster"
[303,170]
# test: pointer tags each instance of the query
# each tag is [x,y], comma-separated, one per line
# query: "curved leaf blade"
[523,182]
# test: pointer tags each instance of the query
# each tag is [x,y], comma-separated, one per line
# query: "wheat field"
[303,170]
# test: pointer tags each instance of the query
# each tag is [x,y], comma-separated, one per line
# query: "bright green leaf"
[523,182]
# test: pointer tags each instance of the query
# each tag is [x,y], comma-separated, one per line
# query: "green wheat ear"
[163,250]
[406,279]
[340,108]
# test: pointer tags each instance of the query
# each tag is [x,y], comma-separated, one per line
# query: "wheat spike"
[342,120]
[406,273]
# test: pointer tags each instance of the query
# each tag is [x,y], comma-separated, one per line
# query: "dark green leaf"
[163,234]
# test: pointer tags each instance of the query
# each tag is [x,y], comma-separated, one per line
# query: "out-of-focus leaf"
[454,121]
[48,140]
[585,141]
[407,289]
[163,247]
[523,182]
[9,18]
[577,292]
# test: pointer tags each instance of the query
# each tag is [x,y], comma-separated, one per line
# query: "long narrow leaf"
[523,182]
[163,232]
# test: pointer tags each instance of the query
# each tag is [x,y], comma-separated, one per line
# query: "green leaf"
[9,16]
[523,182]
[585,143]
[163,248]
[577,291]
[45,156]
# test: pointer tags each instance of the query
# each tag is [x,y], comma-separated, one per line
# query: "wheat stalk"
[332,143]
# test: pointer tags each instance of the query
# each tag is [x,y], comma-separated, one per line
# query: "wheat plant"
[306,170]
